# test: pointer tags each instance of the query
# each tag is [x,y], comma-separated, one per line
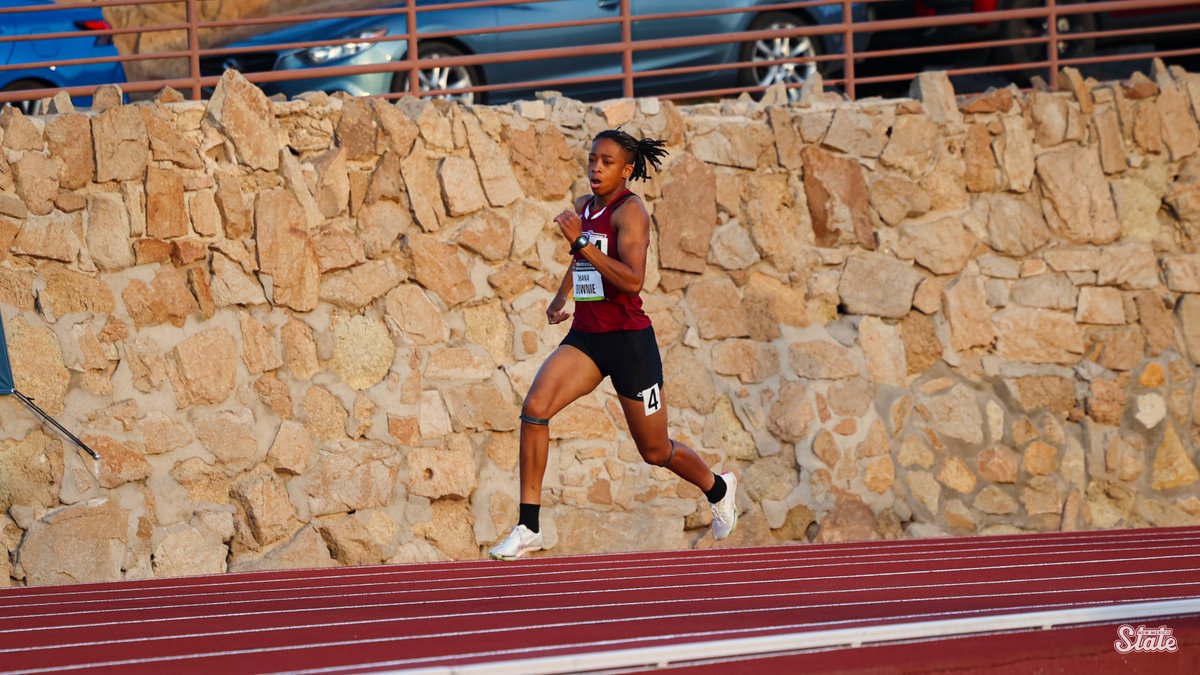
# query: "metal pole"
[627,52]
[63,430]
[414,76]
[193,31]
[848,46]
[1052,47]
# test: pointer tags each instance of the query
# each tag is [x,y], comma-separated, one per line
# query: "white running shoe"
[724,512]
[520,541]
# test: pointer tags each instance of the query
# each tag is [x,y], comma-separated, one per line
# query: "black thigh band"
[535,420]
[670,456]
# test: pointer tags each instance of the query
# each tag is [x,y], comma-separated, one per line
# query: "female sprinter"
[609,235]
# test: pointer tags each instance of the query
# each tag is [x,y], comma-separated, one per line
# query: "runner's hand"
[570,224]
[555,313]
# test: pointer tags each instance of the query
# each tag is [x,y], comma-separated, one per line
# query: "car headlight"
[335,52]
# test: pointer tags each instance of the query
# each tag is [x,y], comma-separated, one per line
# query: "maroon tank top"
[599,307]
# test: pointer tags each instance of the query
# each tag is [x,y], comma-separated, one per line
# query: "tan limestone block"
[461,191]
[416,315]
[1038,336]
[854,132]
[185,550]
[926,490]
[717,305]
[490,234]
[166,299]
[167,142]
[121,143]
[31,469]
[837,199]
[69,139]
[880,474]
[878,285]
[939,244]
[1173,467]
[20,133]
[163,434]
[896,198]
[791,414]
[204,213]
[1078,203]
[913,145]
[448,471]
[242,113]
[995,501]
[956,475]
[203,368]
[53,237]
[1043,495]
[358,286]
[440,268]
[687,215]
[1100,305]
[305,550]
[1040,459]
[484,407]
[83,543]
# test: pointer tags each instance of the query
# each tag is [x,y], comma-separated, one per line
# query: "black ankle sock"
[529,516]
[717,492]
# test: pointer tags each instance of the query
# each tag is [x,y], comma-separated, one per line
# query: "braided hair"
[646,151]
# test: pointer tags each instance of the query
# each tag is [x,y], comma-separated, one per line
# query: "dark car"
[375,49]
[1065,24]
[41,21]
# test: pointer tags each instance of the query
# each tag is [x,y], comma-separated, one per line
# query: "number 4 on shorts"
[651,400]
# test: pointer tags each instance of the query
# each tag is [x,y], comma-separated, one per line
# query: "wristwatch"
[578,244]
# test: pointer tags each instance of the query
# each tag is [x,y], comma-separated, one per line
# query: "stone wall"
[299,332]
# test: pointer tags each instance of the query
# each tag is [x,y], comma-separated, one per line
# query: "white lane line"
[542,578]
[507,629]
[569,566]
[569,581]
[612,605]
[664,655]
[228,603]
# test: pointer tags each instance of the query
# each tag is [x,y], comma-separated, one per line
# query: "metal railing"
[845,66]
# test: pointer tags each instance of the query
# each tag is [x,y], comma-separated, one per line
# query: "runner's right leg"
[566,375]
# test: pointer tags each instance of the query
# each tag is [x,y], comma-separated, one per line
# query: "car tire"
[33,107]
[770,50]
[443,78]
[1074,23]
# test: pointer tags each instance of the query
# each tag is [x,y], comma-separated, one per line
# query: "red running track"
[399,617]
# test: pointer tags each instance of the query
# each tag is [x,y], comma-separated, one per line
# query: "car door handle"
[607,4]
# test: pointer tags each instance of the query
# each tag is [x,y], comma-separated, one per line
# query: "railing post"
[848,46]
[193,30]
[626,50]
[414,75]
[1052,46]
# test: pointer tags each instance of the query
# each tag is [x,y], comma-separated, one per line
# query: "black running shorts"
[630,358]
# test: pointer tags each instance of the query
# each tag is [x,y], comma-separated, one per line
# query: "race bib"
[589,285]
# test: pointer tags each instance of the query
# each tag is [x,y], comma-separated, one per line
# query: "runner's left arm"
[632,224]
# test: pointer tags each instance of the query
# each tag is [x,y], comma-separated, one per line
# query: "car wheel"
[452,77]
[779,48]
[29,107]
[1031,28]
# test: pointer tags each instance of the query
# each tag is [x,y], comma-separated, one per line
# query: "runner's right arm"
[554,312]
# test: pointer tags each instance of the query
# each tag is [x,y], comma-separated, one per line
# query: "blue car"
[495,42]
[81,21]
